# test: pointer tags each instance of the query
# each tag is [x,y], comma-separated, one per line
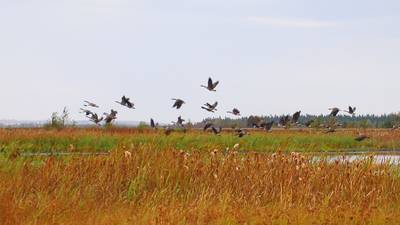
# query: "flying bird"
[334,111]
[267,126]
[351,111]
[178,103]
[180,121]
[126,102]
[284,120]
[216,131]
[86,112]
[235,112]
[208,125]
[209,107]
[296,117]
[153,124]
[90,104]
[110,117]
[211,85]
[95,118]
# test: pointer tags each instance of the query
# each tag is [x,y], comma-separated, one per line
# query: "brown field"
[161,182]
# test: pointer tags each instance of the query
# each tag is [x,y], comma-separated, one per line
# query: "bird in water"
[178,103]
[334,111]
[90,104]
[210,107]
[351,111]
[126,102]
[235,112]
[211,85]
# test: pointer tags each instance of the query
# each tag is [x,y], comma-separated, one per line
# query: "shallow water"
[378,158]
[392,157]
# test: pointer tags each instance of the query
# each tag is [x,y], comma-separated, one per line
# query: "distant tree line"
[358,121]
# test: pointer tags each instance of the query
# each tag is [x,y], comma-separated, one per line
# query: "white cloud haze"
[292,23]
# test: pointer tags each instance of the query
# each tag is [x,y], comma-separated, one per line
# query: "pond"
[379,157]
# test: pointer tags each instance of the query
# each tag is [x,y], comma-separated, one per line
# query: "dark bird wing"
[208,125]
[215,84]
[208,105]
[215,131]
[91,104]
[129,105]
[210,83]
[269,125]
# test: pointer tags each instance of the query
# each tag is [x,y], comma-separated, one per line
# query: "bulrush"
[214,152]
[128,154]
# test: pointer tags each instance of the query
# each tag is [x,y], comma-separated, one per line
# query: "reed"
[214,187]
[149,178]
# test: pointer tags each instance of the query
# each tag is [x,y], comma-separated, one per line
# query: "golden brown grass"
[201,187]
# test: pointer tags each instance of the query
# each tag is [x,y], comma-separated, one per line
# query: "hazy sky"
[271,56]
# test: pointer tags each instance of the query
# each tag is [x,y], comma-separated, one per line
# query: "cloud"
[292,23]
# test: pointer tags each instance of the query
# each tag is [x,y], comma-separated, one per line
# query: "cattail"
[128,154]
[71,148]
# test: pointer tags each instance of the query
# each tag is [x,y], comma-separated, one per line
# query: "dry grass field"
[150,178]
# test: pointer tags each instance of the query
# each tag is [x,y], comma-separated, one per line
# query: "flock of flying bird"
[284,121]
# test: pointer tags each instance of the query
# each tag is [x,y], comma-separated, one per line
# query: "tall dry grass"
[167,186]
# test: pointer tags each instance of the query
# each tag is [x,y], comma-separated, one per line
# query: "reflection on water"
[376,158]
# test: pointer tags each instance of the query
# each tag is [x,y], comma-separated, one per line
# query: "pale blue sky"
[271,56]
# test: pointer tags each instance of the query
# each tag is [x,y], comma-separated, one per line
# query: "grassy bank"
[96,140]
